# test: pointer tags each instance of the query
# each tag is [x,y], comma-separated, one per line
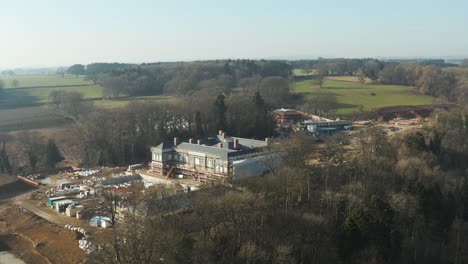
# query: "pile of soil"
[406,112]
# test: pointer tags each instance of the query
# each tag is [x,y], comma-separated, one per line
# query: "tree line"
[187,78]
[124,135]
[32,153]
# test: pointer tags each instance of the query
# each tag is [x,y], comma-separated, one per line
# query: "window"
[209,163]
[156,157]
[183,158]
[221,169]
[197,162]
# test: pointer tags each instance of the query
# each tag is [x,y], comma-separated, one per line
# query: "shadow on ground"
[14,189]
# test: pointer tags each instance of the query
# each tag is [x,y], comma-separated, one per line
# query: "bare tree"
[34,147]
[15,83]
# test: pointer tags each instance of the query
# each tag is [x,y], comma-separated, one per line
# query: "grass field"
[40,87]
[44,80]
[111,104]
[301,72]
[351,95]
[29,117]
[25,108]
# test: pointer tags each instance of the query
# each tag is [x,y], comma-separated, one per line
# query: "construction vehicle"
[170,171]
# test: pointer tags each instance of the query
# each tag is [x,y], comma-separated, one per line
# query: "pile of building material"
[24,179]
[86,173]
[77,229]
[122,181]
[84,243]
[132,169]
[94,180]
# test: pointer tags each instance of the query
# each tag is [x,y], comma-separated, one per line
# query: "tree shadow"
[14,189]
[3,242]
[341,105]
[347,88]
[15,98]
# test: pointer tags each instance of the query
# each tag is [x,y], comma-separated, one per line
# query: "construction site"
[61,215]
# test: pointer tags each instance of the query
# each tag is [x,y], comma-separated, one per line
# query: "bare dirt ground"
[35,240]
[32,232]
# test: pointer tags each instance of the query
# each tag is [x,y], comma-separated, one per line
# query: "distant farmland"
[23,106]
[33,90]
[41,95]
[29,118]
[44,80]
[351,95]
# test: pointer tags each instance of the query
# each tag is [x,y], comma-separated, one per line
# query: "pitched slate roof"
[222,153]
[209,146]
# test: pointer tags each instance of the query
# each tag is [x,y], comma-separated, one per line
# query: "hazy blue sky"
[62,32]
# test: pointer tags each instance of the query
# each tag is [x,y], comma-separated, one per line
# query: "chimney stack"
[236,143]
[199,142]
[223,135]
[175,141]
[267,141]
[220,145]
[190,140]
[220,132]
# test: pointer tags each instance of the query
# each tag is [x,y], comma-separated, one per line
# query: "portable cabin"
[52,200]
[62,205]
[72,210]
[65,185]
[101,221]
[327,130]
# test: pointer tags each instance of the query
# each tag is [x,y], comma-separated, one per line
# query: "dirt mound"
[406,112]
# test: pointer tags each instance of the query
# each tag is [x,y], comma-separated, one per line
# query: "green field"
[40,87]
[44,80]
[110,104]
[351,95]
[301,72]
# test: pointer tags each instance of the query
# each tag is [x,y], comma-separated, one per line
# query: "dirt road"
[47,213]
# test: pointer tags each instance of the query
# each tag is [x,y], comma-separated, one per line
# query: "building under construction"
[325,126]
[213,159]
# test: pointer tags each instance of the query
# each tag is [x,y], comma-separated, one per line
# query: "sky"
[60,32]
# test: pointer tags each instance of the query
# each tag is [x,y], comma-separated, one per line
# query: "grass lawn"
[301,72]
[351,95]
[44,80]
[111,104]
